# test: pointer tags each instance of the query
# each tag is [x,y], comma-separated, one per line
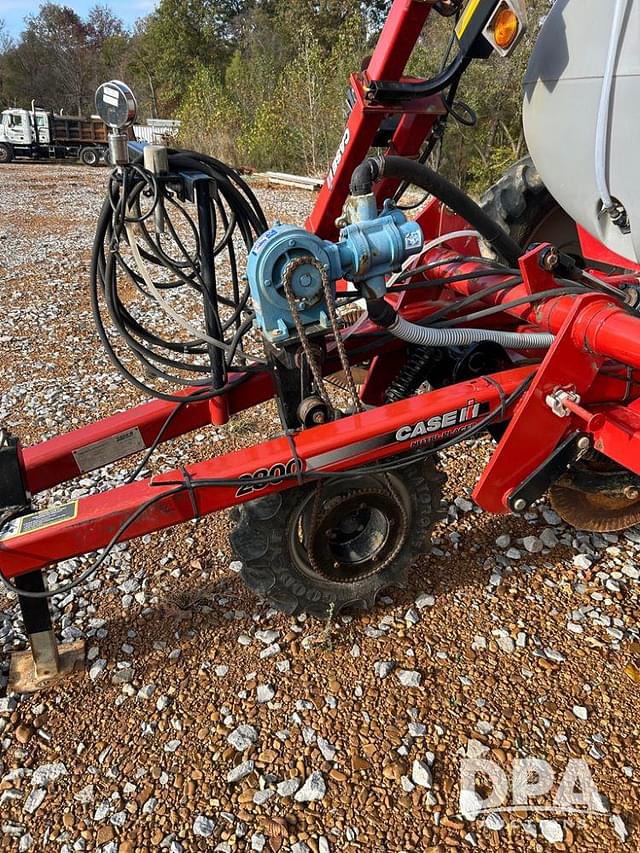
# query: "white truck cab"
[17,127]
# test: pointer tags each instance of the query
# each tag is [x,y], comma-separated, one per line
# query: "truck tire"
[368,531]
[6,153]
[90,156]
[522,205]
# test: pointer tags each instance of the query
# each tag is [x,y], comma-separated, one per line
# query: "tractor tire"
[271,539]
[6,153]
[522,205]
[90,156]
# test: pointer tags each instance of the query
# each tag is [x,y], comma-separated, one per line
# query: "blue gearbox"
[366,253]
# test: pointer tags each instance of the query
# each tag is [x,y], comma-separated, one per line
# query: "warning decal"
[38,520]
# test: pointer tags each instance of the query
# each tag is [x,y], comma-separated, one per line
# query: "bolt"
[549,259]
[520,504]
[631,493]
[584,443]
[319,418]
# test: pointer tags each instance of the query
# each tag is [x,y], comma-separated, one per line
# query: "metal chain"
[335,328]
[315,369]
[337,335]
[304,340]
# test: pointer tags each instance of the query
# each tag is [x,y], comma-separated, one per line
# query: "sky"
[13,12]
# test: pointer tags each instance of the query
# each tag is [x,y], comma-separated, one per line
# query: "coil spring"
[410,377]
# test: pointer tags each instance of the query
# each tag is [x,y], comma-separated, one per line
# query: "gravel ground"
[208,722]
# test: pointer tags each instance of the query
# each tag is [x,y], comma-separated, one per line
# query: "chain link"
[316,371]
[342,352]
[304,340]
[335,328]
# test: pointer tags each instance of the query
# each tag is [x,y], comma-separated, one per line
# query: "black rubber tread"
[260,540]
[519,201]
[6,153]
[93,151]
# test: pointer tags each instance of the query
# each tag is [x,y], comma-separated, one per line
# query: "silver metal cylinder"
[118,150]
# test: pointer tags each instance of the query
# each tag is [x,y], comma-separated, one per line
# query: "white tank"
[563,98]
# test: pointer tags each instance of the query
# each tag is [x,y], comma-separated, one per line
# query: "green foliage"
[280,102]
[211,119]
[260,83]
[270,142]
[476,157]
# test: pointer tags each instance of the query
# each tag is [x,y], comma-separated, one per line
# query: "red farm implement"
[436,330]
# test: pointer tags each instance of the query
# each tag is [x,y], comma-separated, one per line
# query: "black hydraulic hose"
[422,176]
[382,91]
[236,218]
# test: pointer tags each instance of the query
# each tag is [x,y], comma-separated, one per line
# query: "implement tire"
[394,513]
[522,205]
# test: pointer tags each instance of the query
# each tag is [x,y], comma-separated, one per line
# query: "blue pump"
[368,250]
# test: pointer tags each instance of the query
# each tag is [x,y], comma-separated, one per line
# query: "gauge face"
[116,105]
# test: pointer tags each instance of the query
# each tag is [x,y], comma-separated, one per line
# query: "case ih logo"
[440,423]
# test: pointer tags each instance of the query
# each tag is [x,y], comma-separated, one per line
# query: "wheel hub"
[356,534]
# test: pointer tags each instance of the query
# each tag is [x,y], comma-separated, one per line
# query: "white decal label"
[39,520]
[338,158]
[108,450]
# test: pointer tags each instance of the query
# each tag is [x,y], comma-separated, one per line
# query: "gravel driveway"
[207,722]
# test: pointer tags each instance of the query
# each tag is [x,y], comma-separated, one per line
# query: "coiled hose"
[147,286]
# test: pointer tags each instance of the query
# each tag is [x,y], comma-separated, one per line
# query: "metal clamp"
[559,398]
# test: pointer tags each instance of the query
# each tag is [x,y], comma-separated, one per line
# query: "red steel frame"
[591,331]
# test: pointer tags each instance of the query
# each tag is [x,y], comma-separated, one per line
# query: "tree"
[181,36]
[5,38]
[5,47]
[61,37]
[475,157]
[60,58]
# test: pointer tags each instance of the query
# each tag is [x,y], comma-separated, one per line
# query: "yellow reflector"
[505,28]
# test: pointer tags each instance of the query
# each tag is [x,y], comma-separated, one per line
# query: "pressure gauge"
[116,105]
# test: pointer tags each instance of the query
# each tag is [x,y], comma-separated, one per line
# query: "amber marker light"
[505,28]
